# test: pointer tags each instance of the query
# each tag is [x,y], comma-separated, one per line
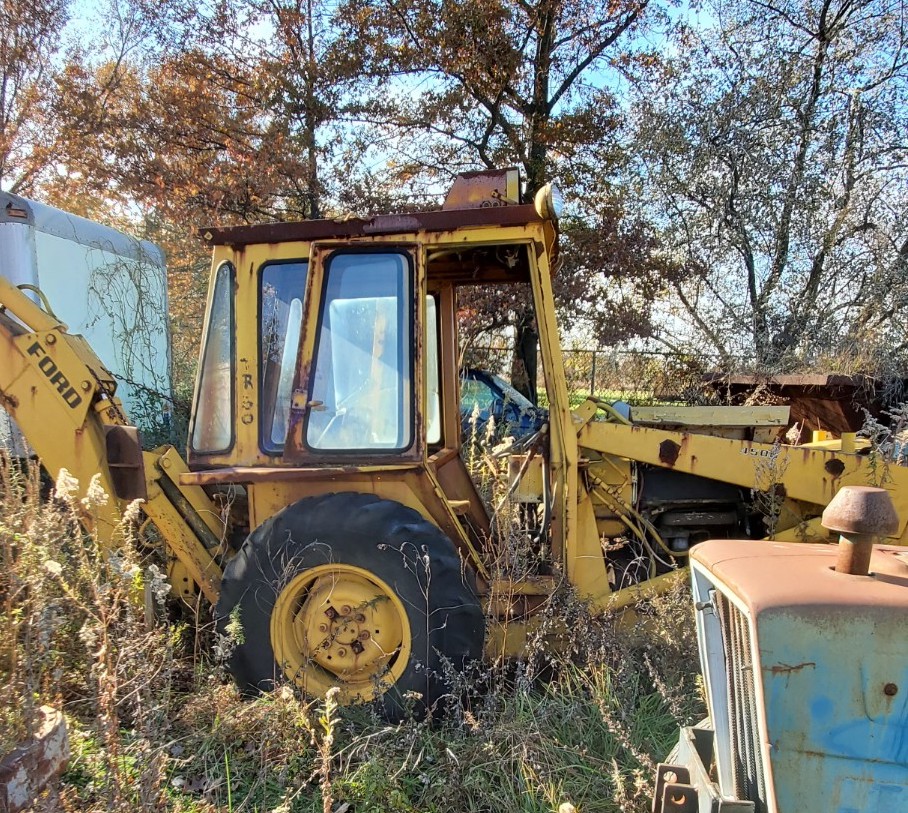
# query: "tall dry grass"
[156,726]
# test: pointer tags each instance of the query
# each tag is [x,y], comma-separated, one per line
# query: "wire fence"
[637,377]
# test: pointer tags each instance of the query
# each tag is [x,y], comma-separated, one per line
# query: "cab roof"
[443,220]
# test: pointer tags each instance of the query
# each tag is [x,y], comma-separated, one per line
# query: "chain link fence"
[638,377]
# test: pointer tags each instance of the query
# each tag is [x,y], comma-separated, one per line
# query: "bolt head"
[861,510]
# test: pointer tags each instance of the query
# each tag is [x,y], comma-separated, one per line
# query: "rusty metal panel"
[484,189]
[310,230]
[818,401]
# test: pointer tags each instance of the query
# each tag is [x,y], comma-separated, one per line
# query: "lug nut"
[364,635]
[322,627]
[360,618]
[345,610]
[341,652]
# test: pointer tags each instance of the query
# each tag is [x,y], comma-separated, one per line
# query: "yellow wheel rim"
[340,625]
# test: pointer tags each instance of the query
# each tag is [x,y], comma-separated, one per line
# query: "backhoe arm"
[63,400]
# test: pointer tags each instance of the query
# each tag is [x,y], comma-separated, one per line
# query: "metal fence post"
[593,375]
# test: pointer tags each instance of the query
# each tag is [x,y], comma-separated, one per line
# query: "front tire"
[352,591]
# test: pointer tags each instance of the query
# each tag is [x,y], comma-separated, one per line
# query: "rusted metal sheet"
[309,230]
[30,768]
[833,402]
[484,189]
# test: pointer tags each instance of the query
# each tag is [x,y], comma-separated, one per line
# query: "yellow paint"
[340,625]
[722,417]
[809,476]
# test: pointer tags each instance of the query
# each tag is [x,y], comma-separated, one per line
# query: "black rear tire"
[353,591]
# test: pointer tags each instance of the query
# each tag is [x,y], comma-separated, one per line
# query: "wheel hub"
[338,625]
[346,627]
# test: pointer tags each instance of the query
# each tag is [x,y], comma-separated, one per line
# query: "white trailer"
[103,284]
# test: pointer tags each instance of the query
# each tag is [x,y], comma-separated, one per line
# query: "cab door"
[356,393]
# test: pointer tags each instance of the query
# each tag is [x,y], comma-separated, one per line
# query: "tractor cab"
[336,340]
[330,355]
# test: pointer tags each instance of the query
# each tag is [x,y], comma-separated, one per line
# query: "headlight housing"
[549,202]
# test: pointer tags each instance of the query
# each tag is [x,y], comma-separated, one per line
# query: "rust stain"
[787,669]
[809,752]
[311,230]
[668,452]
[835,467]
[9,402]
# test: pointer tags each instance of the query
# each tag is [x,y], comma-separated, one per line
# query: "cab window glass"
[281,291]
[433,395]
[360,394]
[475,393]
[212,428]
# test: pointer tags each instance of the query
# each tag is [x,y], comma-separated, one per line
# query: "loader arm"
[807,475]
[64,401]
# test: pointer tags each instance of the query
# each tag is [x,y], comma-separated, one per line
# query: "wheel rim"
[340,625]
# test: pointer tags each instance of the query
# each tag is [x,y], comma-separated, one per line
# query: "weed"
[579,720]
[888,442]
[768,498]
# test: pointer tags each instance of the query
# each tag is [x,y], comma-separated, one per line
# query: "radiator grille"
[747,756]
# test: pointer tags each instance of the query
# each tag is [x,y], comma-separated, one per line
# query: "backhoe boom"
[63,400]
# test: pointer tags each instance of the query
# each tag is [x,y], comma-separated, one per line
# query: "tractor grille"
[746,754]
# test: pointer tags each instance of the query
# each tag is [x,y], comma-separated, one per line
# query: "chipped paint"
[828,652]
[787,669]
[668,452]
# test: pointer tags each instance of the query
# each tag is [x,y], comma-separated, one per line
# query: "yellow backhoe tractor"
[327,510]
